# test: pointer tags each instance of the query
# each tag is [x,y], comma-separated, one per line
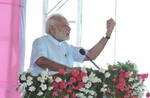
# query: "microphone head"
[82,51]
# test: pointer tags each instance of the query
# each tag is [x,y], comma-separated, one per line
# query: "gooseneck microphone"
[82,51]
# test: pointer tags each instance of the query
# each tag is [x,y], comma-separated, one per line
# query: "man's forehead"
[62,20]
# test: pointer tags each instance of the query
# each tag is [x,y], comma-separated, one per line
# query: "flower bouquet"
[120,80]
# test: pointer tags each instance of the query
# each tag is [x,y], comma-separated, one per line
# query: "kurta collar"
[54,40]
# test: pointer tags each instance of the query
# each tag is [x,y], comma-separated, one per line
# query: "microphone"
[82,51]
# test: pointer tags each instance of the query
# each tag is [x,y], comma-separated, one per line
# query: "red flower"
[60,90]
[80,85]
[121,71]
[65,97]
[83,74]
[79,78]
[55,84]
[73,80]
[69,90]
[75,73]
[148,95]
[142,76]
[61,71]
[133,96]
[74,95]
[127,74]
[55,94]
[63,84]
[114,80]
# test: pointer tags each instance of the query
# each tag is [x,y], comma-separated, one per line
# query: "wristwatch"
[106,36]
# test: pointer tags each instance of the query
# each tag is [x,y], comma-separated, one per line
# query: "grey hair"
[51,21]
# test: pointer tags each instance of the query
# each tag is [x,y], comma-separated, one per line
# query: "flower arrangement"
[120,80]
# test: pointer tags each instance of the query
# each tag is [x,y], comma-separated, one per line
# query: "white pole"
[45,14]
[79,23]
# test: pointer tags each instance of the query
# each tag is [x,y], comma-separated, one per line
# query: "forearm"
[97,49]
[44,63]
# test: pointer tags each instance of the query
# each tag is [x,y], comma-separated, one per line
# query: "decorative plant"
[120,80]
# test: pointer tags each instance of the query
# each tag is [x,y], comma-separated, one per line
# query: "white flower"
[19,74]
[50,78]
[42,80]
[92,92]
[80,95]
[24,84]
[40,93]
[50,88]
[107,74]
[29,78]
[32,88]
[21,88]
[102,70]
[43,86]
[23,77]
[83,69]
[29,82]
[131,73]
[45,74]
[103,89]
[91,76]
[58,79]
[136,84]
[85,79]
[96,79]
[88,85]
[90,96]
[29,70]
[82,89]
[131,79]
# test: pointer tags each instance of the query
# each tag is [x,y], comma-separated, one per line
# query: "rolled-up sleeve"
[77,56]
[38,50]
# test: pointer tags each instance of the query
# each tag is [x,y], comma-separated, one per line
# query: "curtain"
[9,47]
[22,34]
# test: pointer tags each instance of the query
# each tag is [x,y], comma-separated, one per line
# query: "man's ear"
[52,29]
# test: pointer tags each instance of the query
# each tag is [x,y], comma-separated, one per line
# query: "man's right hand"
[70,69]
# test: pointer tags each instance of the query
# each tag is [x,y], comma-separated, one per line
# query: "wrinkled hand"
[110,26]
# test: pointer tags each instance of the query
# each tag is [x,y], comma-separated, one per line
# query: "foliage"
[119,80]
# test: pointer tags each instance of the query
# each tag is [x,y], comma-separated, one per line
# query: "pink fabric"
[9,47]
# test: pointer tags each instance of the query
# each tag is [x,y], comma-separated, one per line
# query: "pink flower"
[127,74]
[121,71]
[80,85]
[75,73]
[148,95]
[79,78]
[55,93]
[83,74]
[142,76]
[61,71]
[65,97]
[60,90]
[133,96]
[69,90]
[74,95]
[114,80]
[55,84]
[63,85]
[73,80]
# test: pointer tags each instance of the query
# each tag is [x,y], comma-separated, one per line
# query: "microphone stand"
[82,51]
[92,62]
